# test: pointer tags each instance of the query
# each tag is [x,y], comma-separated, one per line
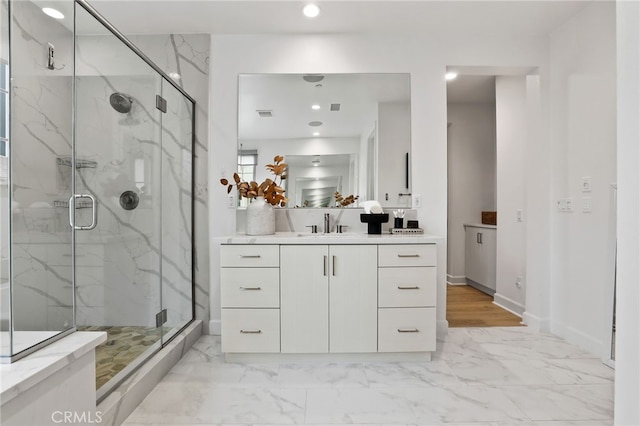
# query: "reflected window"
[247,162]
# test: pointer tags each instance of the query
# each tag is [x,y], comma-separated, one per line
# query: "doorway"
[487,114]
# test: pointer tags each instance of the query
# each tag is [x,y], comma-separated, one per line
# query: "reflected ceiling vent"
[335,107]
[265,113]
[313,78]
[315,123]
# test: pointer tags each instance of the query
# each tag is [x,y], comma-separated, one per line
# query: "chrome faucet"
[327,223]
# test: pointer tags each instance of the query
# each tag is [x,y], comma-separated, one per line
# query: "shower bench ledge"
[60,377]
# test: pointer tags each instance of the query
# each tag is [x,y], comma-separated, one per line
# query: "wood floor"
[468,307]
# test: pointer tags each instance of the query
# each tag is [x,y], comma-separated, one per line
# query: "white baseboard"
[456,279]
[585,341]
[508,304]
[215,327]
[536,323]
[580,338]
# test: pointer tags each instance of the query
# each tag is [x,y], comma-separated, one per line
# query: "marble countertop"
[481,225]
[333,238]
[32,369]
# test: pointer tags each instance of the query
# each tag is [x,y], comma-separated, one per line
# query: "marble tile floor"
[478,376]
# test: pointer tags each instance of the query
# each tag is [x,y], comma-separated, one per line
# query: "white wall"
[471,175]
[425,58]
[627,384]
[583,143]
[511,140]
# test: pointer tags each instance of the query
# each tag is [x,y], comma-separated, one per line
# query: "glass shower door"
[177,208]
[118,205]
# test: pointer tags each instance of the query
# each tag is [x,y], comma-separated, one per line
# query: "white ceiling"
[513,17]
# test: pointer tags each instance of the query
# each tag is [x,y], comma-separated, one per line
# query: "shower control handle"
[72,211]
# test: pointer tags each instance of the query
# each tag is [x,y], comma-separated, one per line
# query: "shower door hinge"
[161,318]
[161,103]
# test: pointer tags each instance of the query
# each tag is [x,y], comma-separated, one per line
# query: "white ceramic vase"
[261,219]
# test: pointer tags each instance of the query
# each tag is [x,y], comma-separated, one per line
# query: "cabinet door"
[480,256]
[304,299]
[488,248]
[474,264]
[353,298]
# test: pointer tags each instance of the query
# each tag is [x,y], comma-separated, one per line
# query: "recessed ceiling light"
[174,75]
[316,133]
[315,123]
[450,76]
[315,163]
[315,107]
[311,11]
[53,13]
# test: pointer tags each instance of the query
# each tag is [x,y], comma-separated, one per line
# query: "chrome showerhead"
[120,102]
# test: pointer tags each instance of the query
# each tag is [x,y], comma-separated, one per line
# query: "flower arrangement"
[271,190]
[342,201]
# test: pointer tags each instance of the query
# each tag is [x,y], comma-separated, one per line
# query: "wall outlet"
[586,204]
[231,201]
[565,205]
[416,201]
[519,282]
[519,215]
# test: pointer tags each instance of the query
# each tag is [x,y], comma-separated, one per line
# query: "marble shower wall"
[41,125]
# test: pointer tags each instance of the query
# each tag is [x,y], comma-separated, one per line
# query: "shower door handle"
[72,211]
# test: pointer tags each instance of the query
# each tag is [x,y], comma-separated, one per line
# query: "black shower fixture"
[120,102]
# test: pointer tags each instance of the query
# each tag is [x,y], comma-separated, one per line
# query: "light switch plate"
[416,201]
[586,184]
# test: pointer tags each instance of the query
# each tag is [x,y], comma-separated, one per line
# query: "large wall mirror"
[349,133]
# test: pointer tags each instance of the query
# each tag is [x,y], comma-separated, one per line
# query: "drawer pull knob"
[250,256]
[408,330]
[408,255]
[415,287]
[250,331]
[250,288]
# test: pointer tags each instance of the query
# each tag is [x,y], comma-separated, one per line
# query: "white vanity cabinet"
[329,294]
[480,257]
[328,301]
[407,298]
[250,296]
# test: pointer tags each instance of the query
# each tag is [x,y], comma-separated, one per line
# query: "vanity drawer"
[406,287]
[406,329]
[249,256]
[394,255]
[251,330]
[250,287]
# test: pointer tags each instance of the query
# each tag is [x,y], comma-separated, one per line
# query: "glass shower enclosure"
[97,205]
